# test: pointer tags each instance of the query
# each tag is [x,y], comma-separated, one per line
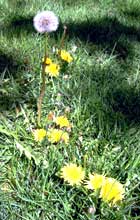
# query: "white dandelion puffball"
[46,21]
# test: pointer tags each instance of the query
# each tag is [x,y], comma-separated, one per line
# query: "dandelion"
[95,181]
[52,70]
[73,174]
[112,191]
[39,134]
[65,137]
[48,61]
[65,56]
[56,135]
[62,121]
[46,21]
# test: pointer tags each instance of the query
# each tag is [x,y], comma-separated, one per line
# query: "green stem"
[63,37]
[43,86]
[45,55]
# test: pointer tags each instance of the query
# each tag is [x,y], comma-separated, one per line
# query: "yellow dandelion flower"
[112,191]
[73,174]
[54,135]
[65,137]
[52,69]
[95,181]
[39,134]
[48,61]
[65,56]
[62,121]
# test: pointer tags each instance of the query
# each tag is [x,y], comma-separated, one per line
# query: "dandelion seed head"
[46,21]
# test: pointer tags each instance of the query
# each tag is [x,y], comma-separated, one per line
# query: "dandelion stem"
[63,37]
[43,85]
[46,38]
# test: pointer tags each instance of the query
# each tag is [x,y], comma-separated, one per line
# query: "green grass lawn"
[101,87]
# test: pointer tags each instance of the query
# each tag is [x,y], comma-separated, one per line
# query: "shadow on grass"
[107,98]
[116,38]
[9,65]
[13,82]
[116,97]
[127,101]
[133,14]
[122,100]
[19,25]
[106,32]
[10,102]
[135,210]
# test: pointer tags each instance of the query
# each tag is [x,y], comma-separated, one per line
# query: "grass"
[103,93]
